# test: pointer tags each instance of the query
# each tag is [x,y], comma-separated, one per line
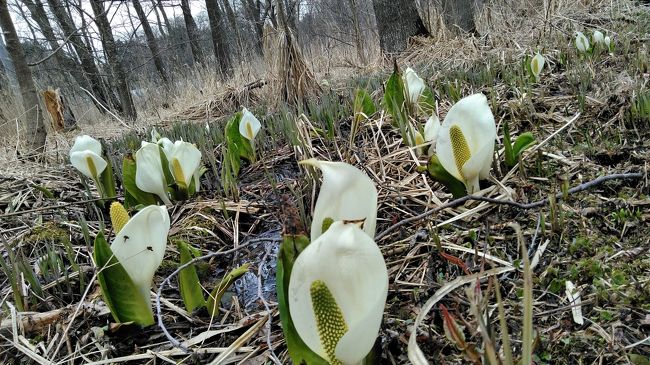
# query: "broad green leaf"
[122,296]
[522,142]
[439,174]
[290,248]
[108,180]
[235,139]
[511,160]
[128,180]
[188,280]
[363,105]
[394,98]
[427,102]
[217,293]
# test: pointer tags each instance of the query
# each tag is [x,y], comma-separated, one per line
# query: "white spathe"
[167,146]
[346,194]
[414,85]
[149,175]
[140,245]
[472,115]
[353,269]
[184,162]
[598,37]
[86,156]
[582,43]
[608,42]
[431,128]
[537,65]
[249,126]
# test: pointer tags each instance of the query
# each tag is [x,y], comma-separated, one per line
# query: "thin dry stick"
[105,108]
[166,281]
[40,209]
[540,203]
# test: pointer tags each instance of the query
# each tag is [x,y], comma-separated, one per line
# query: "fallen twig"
[533,205]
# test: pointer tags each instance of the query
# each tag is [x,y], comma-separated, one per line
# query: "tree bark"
[95,82]
[459,15]
[34,122]
[219,43]
[192,31]
[151,41]
[108,43]
[397,21]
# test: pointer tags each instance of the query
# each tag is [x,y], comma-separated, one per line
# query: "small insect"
[126,238]
[150,248]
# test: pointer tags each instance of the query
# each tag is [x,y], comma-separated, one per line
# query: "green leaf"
[439,174]
[236,141]
[363,105]
[427,102]
[511,160]
[169,177]
[217,293]
[46,192]
[637,359]
[327,222]
[128,180]
[188,280]
[522,142]
[108,181]
[394,98]
[120,293]
[290,248]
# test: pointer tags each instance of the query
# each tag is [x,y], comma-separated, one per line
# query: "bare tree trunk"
[95,82]
[397,21]
[108,43]
[164,15]
[33,116]
[151,41]
[192,31]
[218,37]
[158,23]
[252,10]
[232,19]
[40,16]
[459,15]
[358,40]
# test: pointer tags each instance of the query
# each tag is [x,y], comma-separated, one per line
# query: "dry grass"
[580,112]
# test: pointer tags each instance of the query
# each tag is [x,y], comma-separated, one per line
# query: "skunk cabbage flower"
[140,245]
[249,126]
[184,162]
[346,194]
[149,175]
[414,85]
[536,65]
[608,42]
[582,43]
[86,156]
[167,146]
[598,38]
[465,142]
[337,293]
[431,128]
